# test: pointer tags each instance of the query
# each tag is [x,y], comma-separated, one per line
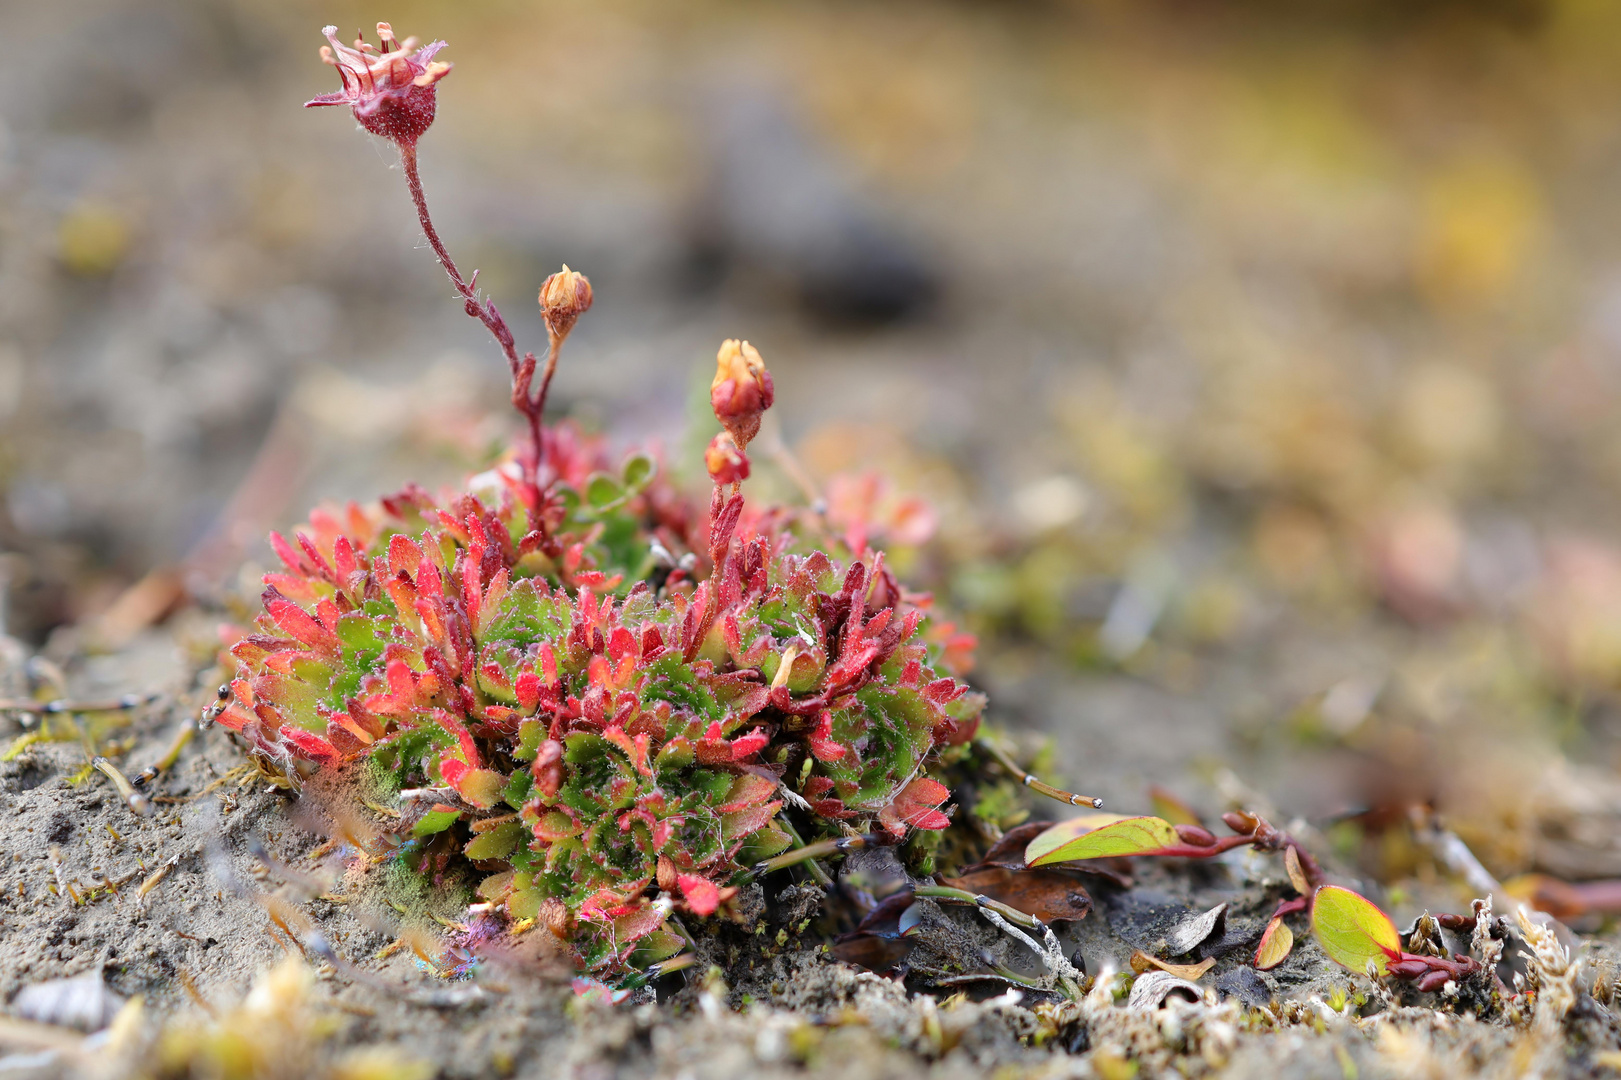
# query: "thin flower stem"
[522,370]
[65,705]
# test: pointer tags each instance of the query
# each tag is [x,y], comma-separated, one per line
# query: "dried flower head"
[741,391]
[564,297]
[392,92]
[725,462]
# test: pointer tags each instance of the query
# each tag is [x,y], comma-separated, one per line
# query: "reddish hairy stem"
[532,407]
[723,515]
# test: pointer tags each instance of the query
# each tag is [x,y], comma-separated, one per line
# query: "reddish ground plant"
[610,700]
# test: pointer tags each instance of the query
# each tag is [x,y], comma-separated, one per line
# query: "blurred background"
[1259,362]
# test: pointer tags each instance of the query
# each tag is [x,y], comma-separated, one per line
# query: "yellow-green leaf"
[1276,944]
[1065,831]
[481,787]
[1100,839]
[435,821]
[1352,930]
[496,843]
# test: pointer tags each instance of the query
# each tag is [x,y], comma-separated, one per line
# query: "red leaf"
[527,687]
[746,791]
[285,552]
[701,894]
[310,745]
[300,624]
[404,555]
[748,745]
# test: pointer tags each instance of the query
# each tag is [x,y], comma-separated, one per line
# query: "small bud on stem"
[726,463]
[564,297]
[741,391]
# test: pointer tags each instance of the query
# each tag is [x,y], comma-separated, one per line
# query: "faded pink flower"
[391,93]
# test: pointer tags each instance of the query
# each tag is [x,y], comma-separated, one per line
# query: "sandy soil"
[189,908]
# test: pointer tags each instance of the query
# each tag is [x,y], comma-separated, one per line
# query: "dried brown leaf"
[1049,895]
[1009,851]
[1150,991]
[871,951]
[885,918]
[1297,876]
[1141,962]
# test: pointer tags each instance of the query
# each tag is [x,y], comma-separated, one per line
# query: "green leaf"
[530,732]
[567,498]
[1352,930]
[659,945]
[639,471]
[360,633]
[517,789]
[495,843]
[602,491]
[1100,836]
[435,821]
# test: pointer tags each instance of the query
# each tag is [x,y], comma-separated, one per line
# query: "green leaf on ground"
[1089,838]
[1352,930]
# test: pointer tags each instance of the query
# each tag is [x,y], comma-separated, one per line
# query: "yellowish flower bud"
[741,391]
[563,298]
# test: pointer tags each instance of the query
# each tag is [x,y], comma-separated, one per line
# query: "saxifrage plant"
[599,695]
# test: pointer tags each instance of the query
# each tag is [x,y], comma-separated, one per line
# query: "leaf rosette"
[599,733]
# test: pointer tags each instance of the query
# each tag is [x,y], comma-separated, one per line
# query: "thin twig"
[65,705]
[1029,780]
[188,729]
[138,804]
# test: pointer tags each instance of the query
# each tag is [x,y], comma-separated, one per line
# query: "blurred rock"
[84,1002]
[779,208]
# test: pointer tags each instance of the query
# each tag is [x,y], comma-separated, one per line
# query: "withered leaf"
[1190,933]
[1141,962]
[871,951]
[1276,943]
[885,918]
[1049,895]
[1297,876]
[1009,851]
